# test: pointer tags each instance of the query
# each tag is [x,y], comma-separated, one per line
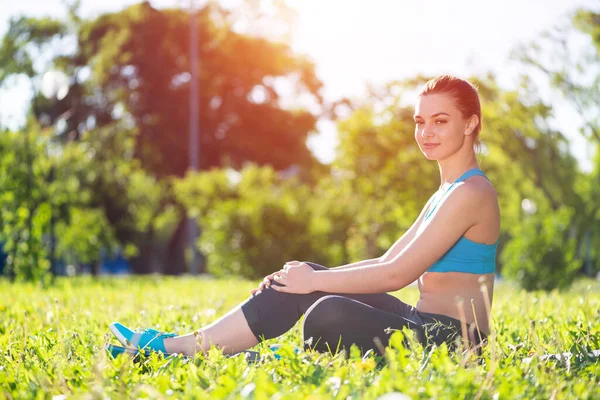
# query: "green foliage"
[130,121]
[252,226]
[138,64]
[51,343]
[93,192]
[81,240]
[589,186]
[571,70]
[541,254]
[115,183]
[333,224]
[588,22]
[249,227]
[15,50]
[25,209]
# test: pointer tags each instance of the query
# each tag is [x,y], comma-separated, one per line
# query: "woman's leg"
[442,328]
[231,333]
[268,315]
[336,322]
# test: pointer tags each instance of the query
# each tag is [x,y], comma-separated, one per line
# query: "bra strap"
[470,173]
[465,175]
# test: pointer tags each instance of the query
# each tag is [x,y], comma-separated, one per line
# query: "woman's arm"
[452,220]
[394,249]
[359,263]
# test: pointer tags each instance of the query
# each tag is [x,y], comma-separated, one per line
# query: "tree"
[129,83]
[138,66]
[252,224]
[573,72]
[49,199]
[24,208]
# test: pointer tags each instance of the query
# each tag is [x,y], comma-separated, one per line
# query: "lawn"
[51,344]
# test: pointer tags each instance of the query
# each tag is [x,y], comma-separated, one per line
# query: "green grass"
[51,343]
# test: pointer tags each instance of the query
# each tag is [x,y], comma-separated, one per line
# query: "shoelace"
[155,335]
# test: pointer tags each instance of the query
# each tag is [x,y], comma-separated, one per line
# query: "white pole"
[194,144]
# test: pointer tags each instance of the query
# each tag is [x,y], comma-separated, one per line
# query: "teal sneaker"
[114,352]
[249,355]
[275,348]
[147,339]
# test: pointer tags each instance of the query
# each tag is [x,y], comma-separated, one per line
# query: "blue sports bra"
[465,255]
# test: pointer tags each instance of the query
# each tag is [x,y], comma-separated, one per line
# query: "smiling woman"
[450,249]
[435,128]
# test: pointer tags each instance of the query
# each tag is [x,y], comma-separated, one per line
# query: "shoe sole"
[114,351]
[118,335]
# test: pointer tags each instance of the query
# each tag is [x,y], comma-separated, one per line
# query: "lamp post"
[587,264]
[55,86]
[194,143]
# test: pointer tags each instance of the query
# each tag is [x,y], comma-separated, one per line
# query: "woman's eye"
[440,122]
[418,123]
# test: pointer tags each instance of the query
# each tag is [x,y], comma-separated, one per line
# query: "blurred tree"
[252,223]
[27,50]
[140,62]
[133,65]
[568,56]
[43,182]
[25,33]
[24,207]
[115,190]
[570,66]
[129,71]
[542,254]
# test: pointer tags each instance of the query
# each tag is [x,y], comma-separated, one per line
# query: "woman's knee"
[325,314]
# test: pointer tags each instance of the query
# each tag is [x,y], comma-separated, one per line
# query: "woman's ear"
[471,124]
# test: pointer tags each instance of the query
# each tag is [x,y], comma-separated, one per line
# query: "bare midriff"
[442,292]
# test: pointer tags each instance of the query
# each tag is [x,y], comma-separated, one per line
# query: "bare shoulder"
[481,199]
[477,198]
[479,189]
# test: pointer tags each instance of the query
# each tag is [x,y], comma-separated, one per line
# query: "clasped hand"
[295,277]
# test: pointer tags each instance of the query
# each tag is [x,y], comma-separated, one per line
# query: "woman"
[450,249]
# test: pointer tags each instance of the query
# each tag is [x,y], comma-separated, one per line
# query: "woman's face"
[440,129]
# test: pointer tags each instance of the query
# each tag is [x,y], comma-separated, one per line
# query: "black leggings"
[333,322]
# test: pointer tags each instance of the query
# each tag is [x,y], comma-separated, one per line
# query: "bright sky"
[356,41]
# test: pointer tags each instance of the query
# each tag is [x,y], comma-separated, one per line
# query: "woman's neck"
[452,169]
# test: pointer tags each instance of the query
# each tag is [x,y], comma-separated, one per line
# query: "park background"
[108,166]
[224,138]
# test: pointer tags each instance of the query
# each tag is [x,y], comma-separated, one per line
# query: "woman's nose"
[426,131]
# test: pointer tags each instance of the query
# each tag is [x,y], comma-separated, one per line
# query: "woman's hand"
[296,278]
[266,282]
